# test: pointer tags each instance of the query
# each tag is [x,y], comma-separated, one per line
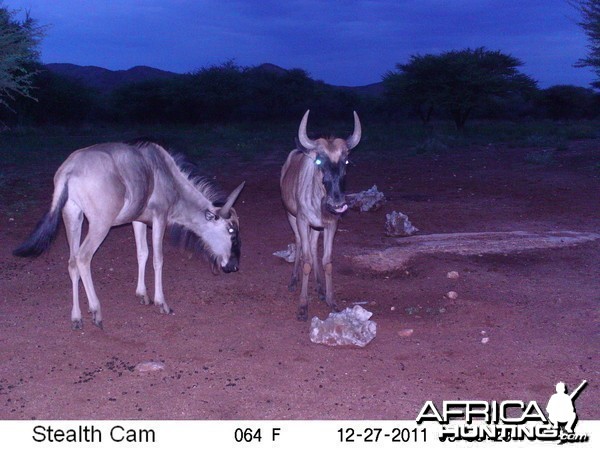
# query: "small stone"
[369,200]
[288,255]
[410,310]
[452,295]
[397,224]
[149,366]
[393,308]
[485,340]
[406,332]
[453,275]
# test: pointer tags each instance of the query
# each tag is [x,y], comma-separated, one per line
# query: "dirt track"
[234,350]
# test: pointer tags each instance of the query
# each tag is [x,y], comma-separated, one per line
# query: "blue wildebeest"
[312,189]
[140,183]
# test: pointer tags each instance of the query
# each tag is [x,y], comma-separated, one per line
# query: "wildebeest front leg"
[328,234]
[73,219]
[158,231]
[314,239]
[298,255]
[141,246]
[304,230]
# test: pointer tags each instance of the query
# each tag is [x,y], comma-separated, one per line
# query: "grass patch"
[30,156]
[215,145]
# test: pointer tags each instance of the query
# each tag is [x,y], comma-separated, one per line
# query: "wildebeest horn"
[353,140]
[224,211]
[304,140]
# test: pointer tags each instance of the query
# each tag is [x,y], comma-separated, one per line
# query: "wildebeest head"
[222,234]
[215,234]
[331,157]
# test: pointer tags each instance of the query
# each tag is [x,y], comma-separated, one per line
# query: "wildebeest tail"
[45,231]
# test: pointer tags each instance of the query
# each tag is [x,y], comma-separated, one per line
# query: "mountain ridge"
[106,80]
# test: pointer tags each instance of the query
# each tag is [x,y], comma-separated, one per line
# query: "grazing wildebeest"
[312,189]
[139,183]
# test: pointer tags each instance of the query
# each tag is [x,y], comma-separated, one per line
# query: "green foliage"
[590,22]
[19,41]
[230,93]
[60,101]
[565,102]
[456,82]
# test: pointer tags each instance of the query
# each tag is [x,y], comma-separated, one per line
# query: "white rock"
[368,200]
[149,366]
[289,255]
[397,224]
[349,327]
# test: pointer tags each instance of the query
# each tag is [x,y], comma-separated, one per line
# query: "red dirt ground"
[234,349]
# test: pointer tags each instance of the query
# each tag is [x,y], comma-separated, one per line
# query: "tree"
[590,22]
[19,42]
[456,82]
[564,102]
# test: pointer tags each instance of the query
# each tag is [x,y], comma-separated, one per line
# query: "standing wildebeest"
[117,183]
[312,188]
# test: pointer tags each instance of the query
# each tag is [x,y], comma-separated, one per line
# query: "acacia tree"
[456,82]
[19,41]
[590,22]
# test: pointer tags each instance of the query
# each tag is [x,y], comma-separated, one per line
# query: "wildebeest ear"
[210,215]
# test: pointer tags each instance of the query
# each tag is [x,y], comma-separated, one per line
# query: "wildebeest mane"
[198,179]
[179,235]
[188,168]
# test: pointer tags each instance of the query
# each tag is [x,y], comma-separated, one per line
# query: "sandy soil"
[234,349]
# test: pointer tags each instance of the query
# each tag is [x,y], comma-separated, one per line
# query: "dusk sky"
[352,42]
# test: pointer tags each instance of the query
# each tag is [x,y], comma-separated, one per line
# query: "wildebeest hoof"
[164,309]
[97,319]
[292,285]
[302,314]
[77,324]
[331,303]
[144,300]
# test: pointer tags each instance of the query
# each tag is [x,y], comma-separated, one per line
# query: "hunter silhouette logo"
[478,420]
[561,406]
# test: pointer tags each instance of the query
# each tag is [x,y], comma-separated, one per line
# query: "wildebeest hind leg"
[73,219]
[96,233]
[141,246]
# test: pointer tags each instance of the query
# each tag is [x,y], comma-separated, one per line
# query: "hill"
[105,80]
